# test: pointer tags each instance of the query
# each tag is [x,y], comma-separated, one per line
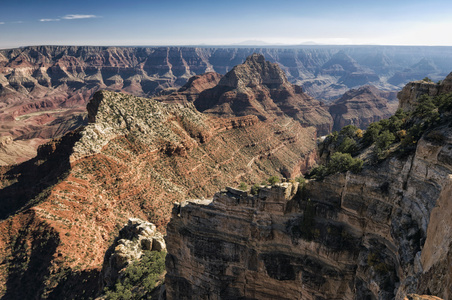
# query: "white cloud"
[49,20]
[1,23]
[18,22]
[74,17]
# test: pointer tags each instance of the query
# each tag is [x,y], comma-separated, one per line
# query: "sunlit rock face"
[44,89]
[134,158]
[381,234]
[384,233]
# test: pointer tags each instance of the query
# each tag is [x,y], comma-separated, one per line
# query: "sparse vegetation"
[243,186]
[254,189]
[397,135]
[139,279]
[272,180]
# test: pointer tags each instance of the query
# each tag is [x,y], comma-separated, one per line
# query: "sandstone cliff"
[413,90]
[61,210]
[384,233]
[380,235]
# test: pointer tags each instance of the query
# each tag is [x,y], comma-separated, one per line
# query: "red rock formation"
[60,211]
[59,80]
[258,87]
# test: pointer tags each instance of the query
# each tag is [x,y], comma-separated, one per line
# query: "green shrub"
[254,189]
[140,277]
[338,163]
[243,186]
[384,140]
[273,180]
[348,145]
[342,162]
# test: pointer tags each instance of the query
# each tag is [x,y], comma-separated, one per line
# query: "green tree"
[348,131]
[341,162]
[348,145]
[384,140]
[273,180]
[371,134]
[139,278]
[255,189]
[243,186]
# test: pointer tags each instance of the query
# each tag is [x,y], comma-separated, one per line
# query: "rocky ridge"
[380,234]
[361,107]
[133,160]
[259,87]
[44,89]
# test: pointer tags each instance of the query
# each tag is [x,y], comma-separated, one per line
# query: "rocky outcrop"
[408,95]
[360,107]
[348,237]
[381,234]
[135,158]
[134,238]
[191,90]
[259,87]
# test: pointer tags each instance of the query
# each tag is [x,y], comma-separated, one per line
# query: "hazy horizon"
[198,23]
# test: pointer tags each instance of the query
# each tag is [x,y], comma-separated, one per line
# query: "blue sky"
[171,22]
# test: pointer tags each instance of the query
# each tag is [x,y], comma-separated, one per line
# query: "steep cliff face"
[413,90]
[381,234]
[360,107]
[259,87]
[368,236]
[61,210]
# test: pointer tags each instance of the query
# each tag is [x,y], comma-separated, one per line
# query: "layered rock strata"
[411,92]
[44,89]
[60,211]
[384,233]
[380,234]
[361,107]
[259,87]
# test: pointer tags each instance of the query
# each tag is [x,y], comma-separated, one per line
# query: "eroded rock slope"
[44,89]
[381,234]
[61,210]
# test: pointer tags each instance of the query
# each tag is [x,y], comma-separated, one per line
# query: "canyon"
[382,233]
[134,158]
[44,89]
[376,234]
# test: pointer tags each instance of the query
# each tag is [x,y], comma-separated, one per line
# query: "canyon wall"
[44,89]
[380,234]
[60,211]
[383,233]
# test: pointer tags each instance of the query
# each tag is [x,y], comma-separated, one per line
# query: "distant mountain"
[259,87]
[44,89]
[360,107]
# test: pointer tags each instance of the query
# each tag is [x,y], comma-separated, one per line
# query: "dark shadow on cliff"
[30,263]
[77,285]
[32,178]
